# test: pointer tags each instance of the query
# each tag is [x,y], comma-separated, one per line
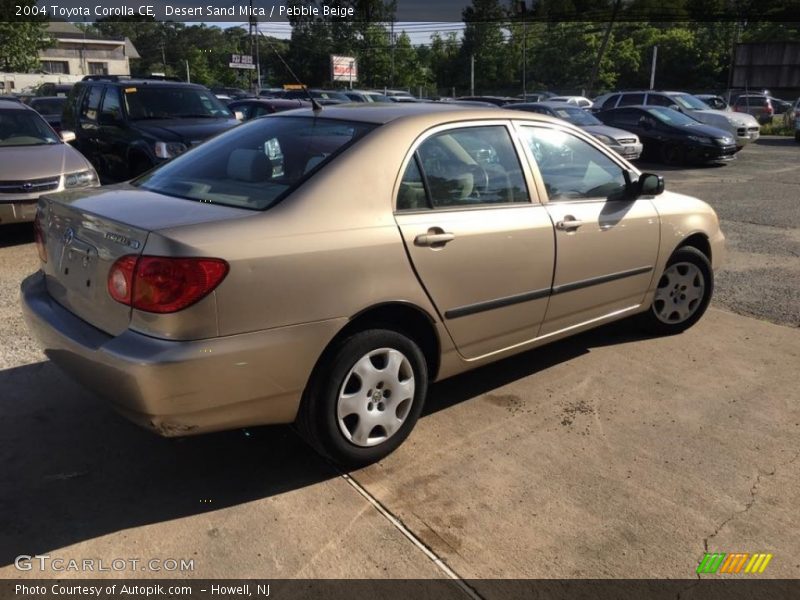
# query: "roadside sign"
[344,68]
[241,61]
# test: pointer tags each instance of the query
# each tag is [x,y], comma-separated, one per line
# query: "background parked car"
[323,96]
[715,102]
[759,106]
[496,100]
[51,108]
[35,160]
[231,92]
[252,108]
[672,136]
[365,96]
[743,128]
[622,142]
[579,101]
[53,89]
[127,126]
[791,115]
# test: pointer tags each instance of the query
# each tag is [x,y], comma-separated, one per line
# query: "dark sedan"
[671,136]
[252,108]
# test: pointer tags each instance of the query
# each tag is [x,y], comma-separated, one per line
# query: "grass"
[777,127]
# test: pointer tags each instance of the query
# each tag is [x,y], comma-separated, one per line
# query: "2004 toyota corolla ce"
[324,267]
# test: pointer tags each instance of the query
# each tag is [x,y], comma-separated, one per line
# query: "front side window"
[659,100]
[111,104]
[631,100]
[256,164]
[91,103]
[472,166]
[573,169]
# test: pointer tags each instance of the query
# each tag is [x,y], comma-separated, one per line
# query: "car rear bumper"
[17,211]
[182,387]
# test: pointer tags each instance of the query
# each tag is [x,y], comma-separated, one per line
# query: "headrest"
[249,165]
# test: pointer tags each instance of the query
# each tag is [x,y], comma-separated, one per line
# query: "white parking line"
[398,524]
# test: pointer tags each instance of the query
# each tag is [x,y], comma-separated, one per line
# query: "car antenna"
[315,105]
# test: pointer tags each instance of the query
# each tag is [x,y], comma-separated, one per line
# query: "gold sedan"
[323,267]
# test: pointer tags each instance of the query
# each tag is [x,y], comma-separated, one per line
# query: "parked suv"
[742,127]
[127,126]
[757,105]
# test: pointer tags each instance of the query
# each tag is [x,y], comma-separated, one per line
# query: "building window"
[98,68]
[60,67]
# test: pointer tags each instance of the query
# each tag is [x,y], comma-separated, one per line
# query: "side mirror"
[645,123]
[675,107]
[239,115]
[67,136]
[650,184]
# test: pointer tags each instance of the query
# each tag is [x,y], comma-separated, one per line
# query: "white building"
[73,55]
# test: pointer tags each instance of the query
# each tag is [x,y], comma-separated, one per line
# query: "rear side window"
[412,195]
[611,102]
[631,100]
[472,166]
[256,164]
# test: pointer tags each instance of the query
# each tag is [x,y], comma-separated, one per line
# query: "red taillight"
[38,236]
[161,284]
[770,110]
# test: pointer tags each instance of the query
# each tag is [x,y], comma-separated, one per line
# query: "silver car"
[622,142]
[35,160]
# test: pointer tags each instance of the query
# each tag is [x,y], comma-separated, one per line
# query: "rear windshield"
[256,164]
[50,106]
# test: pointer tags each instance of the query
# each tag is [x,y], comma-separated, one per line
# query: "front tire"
[683,293]
[365,397]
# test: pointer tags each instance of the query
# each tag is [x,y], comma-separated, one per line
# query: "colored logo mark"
[736,562]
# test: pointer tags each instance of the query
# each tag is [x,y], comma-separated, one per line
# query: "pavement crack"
[750,503]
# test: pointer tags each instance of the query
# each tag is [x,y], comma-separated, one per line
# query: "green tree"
[21,41]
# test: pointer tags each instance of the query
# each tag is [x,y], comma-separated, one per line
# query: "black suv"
[127,126]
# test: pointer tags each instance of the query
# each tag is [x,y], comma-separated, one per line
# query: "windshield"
[670,116]
[576,116]
[25,128]
[51,106]
[162,102]
[255,165]
[687,101]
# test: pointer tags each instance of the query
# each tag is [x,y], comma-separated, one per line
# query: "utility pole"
[188,78]
[522,9]
[471,74]
[653,68]
[391,78]
[602,51]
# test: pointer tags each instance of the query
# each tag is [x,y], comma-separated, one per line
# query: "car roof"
[551,104]
[144,82]
[13,104]
[381,113]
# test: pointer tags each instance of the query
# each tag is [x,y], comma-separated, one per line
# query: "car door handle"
[435,238]
[568,223]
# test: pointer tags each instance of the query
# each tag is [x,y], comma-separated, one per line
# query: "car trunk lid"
[86,233]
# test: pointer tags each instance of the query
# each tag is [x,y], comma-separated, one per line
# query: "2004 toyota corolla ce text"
[324,267]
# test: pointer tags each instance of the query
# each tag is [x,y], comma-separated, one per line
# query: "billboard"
[241,61]
[343,68]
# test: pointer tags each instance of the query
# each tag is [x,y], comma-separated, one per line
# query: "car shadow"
[16,234]
[71,469]
[472,384]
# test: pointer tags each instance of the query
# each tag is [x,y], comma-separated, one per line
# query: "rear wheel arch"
[402,317]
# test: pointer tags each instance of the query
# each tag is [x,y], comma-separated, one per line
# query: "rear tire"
[683,293]
[365,397]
